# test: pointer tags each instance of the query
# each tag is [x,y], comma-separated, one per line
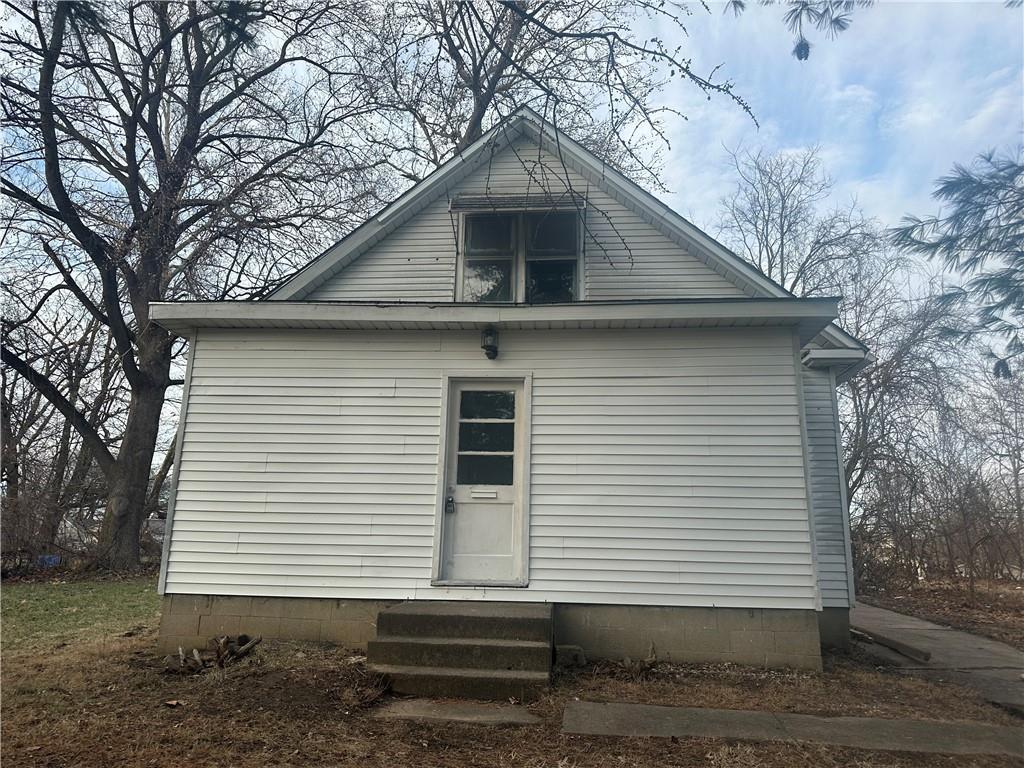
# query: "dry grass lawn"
[101,700]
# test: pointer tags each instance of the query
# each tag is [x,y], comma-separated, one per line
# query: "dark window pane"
[487,405]
[489,234]
[484,470]
[487,281]
[487,437]
[551,234]
[550,282]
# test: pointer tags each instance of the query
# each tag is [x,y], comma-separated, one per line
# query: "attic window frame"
[519,250]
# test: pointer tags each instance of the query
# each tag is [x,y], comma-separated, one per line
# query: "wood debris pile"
[219,653]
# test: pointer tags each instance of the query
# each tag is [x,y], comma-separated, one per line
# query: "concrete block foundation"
[754,636]
[191,620]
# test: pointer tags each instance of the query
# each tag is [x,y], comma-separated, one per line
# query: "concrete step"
[468,653]
[466,619]
[453,682]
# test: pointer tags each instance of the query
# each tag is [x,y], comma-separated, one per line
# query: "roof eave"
[350,247]
[338,256]
[736,269]
[806,316]
[846,362]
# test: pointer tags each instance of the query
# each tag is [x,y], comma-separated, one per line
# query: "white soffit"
[808,316]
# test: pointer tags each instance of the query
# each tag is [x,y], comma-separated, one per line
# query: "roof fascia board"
[178,317]
[453,169]
[628,192]
[350,247]
[836,335]
[846,363]
[643,201]
[823,358]
[333,258]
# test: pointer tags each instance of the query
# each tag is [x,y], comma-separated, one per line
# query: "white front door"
[481,533]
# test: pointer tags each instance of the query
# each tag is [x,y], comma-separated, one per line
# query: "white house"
[525,381]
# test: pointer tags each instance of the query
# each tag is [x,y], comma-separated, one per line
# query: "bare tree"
[440,73]
[942,506]
[167,150]
[932,457]
[776,219]
[996,420]
[46,467]
[206,150]
[159,151]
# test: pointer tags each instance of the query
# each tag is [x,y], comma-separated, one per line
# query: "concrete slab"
[990,667]
[456,712]
[614,719]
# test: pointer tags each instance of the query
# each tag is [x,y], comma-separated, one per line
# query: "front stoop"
[469,650]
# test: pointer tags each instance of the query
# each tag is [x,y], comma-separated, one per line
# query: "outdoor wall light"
[489,342]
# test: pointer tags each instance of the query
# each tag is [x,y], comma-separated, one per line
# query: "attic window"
[490,258]
[528,256]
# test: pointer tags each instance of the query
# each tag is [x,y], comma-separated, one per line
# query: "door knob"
[449,505]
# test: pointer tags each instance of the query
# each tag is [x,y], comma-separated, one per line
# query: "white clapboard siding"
[666,466]
[827,505]
[626,257]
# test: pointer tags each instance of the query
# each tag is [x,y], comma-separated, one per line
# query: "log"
[244,650]
[219,652]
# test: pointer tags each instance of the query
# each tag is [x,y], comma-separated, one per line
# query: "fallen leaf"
[173,703]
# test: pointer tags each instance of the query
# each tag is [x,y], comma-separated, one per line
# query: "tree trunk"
[153,500]
[52,511]
[10,469]
[126,503]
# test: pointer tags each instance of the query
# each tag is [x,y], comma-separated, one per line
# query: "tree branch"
[106,461]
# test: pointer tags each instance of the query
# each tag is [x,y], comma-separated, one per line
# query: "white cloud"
[854,99]
[908,90]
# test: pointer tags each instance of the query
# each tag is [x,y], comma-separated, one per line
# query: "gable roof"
[528,123]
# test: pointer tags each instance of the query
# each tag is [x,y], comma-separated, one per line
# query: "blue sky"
[908,90]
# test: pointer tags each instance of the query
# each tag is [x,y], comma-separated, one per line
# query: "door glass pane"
[487,405]
[489,280]
[487,437]
[551,234]
[484,470]
[550,282]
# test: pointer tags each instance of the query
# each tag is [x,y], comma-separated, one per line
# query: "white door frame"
[448,380]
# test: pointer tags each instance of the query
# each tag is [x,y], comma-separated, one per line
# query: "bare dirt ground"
[996,609]
[108,703]
[88,690]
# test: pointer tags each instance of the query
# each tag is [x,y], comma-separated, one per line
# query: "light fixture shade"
[489,342]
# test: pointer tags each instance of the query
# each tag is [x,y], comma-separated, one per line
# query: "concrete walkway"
[992,668]
[481,713]
[592,718]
